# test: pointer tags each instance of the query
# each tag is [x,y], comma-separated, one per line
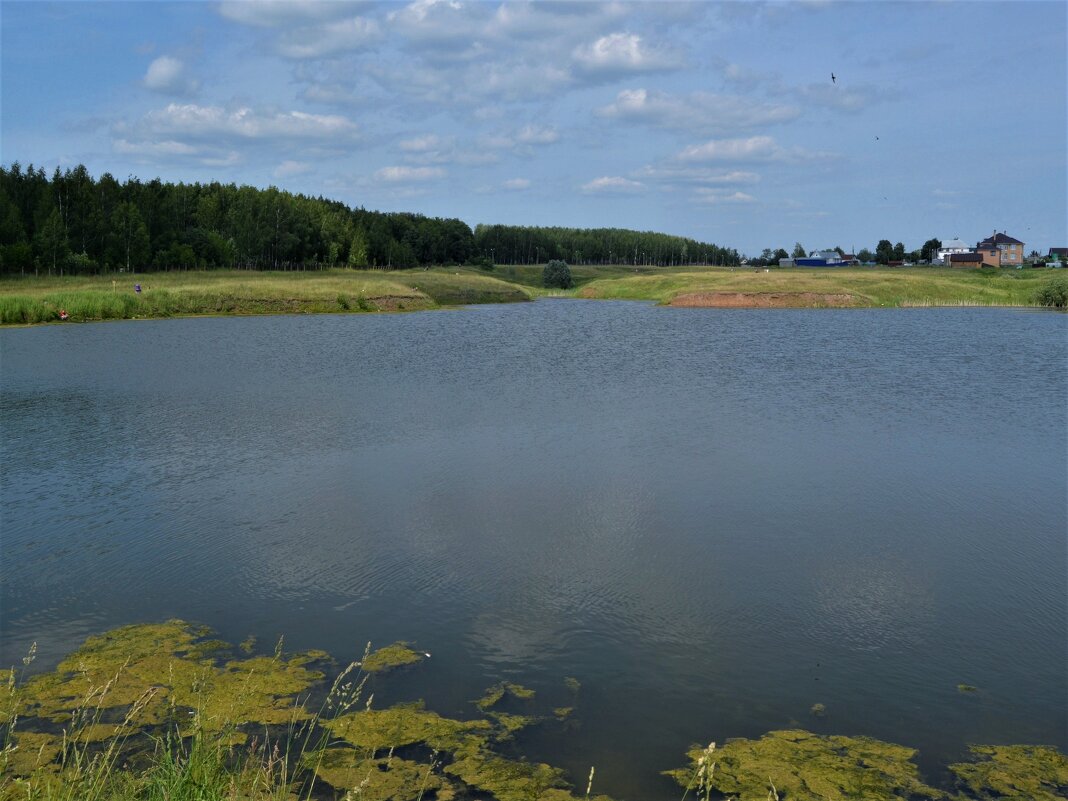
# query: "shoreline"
[27,301]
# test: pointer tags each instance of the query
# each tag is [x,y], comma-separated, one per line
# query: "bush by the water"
[1054,293]
[556,275]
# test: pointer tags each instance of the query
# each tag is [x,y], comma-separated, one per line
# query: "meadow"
[30,300]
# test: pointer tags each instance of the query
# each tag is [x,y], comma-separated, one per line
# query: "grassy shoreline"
[34,300]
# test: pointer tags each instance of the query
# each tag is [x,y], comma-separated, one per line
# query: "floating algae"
[808,767]
[508,725]
[1014,773]
[142,674]
[494,694]
[392,656]
[967,688]
[404,724]
[29,752]
[563,712]
[390,779]
[510,780]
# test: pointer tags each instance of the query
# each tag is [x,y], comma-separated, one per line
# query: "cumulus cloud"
[288,169]
[751,149]
[620,54]
[533,135]
[194,120]
[516,184]
[716,196]
[354,33]
[421,144]
[277,13]
[699,111]
[166,74]
[609,184]
[401,174]
[691,174]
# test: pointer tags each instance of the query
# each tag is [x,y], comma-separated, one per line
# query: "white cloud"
[167,147]
[166,74]
[612,184]
[620,54]
[245,123]
[400,174]
[516,184]
[696,175]
[714,196]
[700,111]
[287,169]
[751,149]
[421,144]
[755,148]
[275,13]
[354,33]
[533,135]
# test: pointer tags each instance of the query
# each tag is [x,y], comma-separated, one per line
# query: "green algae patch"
[404,724]
[573,684]
[508,725]
[967,688]
[391,779]
[1014,773]
[497,692]
[806,767]
[143,674]
[563,712]
[390,657]
[30,752]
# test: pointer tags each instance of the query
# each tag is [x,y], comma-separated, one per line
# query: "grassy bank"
[32,300]
[163,712]
[864,287]
[172,294]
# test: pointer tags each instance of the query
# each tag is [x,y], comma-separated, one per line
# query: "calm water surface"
[713,518]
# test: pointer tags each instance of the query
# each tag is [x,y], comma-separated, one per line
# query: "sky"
[718,121]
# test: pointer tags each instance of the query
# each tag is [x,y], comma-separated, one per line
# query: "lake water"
[714,519]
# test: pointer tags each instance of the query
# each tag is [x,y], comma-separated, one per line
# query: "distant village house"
[1001,250]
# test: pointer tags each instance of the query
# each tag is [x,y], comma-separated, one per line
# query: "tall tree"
[51,242]
[799,251]
[130,243]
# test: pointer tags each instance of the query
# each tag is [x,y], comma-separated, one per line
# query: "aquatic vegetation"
[392,656]
[818,711]
[510,780]
[160,711]
[967,688]
[807,767]
[497,692]
[389,779]
[404,724]
[572,684]
[158,668]
[1014,773]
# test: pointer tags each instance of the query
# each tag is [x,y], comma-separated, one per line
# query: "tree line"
[72,223]
[514,244]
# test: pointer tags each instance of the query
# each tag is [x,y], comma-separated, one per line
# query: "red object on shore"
[63,314]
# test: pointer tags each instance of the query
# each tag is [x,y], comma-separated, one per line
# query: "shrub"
[1054,293]
[556,275]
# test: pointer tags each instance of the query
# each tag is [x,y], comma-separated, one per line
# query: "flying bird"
[877,139]
[833,78]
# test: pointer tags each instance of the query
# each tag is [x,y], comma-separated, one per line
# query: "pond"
[713,519]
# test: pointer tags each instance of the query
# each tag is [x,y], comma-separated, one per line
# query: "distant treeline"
[72,223]
[513,244]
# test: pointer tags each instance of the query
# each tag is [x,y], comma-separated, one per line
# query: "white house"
[952,246]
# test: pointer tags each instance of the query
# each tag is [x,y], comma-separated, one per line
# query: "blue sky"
[716,121]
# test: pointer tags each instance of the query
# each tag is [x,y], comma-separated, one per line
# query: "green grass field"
[31,300]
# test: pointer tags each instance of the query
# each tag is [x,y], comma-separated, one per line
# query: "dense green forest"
[72,223]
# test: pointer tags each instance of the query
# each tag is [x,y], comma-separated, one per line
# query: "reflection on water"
[713,518]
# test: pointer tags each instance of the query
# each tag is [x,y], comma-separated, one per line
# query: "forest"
[72,223]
